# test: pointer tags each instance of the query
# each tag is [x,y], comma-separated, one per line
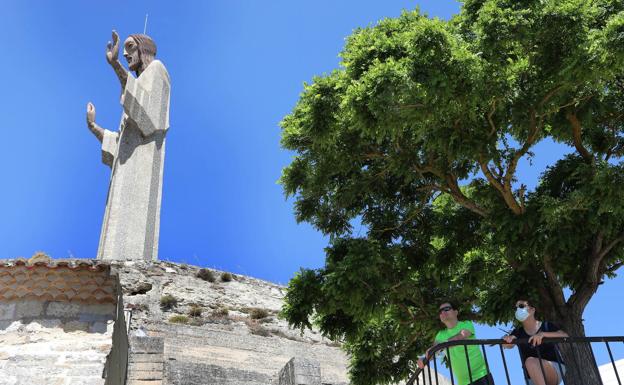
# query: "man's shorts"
[485,380]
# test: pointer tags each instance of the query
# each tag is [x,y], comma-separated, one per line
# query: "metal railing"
[424,376]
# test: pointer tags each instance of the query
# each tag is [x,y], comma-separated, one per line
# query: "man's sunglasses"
[445,308]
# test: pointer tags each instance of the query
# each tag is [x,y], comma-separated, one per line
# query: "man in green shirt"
[461,330]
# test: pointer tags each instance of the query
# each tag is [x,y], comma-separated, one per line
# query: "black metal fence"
[429,374]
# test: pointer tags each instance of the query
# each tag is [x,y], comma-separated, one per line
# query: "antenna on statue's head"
[145,26]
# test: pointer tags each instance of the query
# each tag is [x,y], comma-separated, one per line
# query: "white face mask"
[522,314]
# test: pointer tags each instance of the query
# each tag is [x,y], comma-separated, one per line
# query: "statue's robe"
[136,155]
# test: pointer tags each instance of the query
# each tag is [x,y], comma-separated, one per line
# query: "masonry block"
[300,371]
[147,345]
[7,311]
[26,309]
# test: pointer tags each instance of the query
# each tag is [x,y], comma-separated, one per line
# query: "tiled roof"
[65,280]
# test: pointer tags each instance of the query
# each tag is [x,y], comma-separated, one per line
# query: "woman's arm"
[537,339]
[509,339]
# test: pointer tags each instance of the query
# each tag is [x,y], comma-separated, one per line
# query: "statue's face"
[131,53]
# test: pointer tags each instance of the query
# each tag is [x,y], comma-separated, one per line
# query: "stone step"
[144,382]
[145,376]
[146,366]
[145,357]
[147,344]
[146,362]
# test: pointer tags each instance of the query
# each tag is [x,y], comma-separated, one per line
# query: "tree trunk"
[581,366]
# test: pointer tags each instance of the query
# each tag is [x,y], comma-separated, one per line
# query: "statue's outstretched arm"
[93,127]
[112,55]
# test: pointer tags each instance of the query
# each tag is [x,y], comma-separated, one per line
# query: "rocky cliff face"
[211,327]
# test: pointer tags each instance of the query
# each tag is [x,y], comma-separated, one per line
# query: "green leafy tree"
[417,137]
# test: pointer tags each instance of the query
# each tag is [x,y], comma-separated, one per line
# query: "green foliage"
[206,275]
[416,140]
[168,301]
[226,277]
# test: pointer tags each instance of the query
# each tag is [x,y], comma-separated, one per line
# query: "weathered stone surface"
[44,341]
[232,348]
[28,309]
[300,371]
[136,154]
[42,356]
[143,382]
[146,363]
[148,357]
[147,345]
[7,311]
[148,367]
[190,373]
[83,311]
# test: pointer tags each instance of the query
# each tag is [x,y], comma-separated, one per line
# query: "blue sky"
[237,68]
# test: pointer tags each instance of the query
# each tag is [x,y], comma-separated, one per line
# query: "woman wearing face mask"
[535,331]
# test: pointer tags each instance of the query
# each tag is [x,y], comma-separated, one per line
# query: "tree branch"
[595,270]
[576,136]
[511,169]
[569,104]
[614,268]
[598,244]
[406,106]
[553,283]
[452,188]
[506,194]
[549,95]
[504,185]
[460,198]
[489,174]
[549,309]
[489,117]
[610,246]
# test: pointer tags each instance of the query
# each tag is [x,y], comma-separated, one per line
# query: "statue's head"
[139,51]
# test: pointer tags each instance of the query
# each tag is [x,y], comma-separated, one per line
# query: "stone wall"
[236,340]
[57,321]
[117,360]
[54,343]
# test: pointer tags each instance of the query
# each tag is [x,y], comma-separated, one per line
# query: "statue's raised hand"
[112,49]
[94,128]
[90,114]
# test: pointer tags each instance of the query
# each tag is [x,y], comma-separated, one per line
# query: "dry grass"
[226,277]
[195,311]
[257,329]
[221,312]
[206,275]
[258,313]
[179,319]
[168,301]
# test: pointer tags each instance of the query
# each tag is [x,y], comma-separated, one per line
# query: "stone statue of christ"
[135,153]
